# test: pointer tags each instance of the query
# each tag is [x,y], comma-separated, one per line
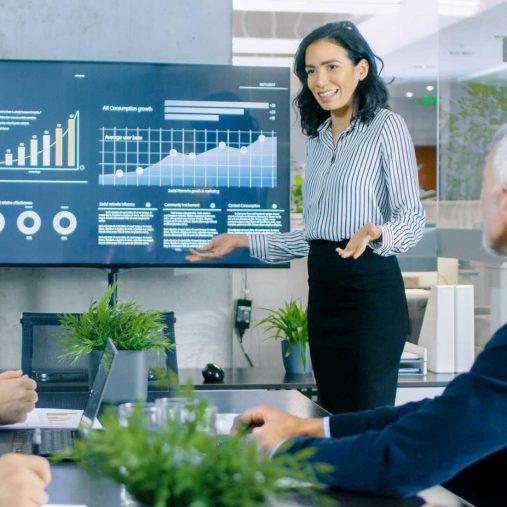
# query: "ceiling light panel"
[459,8]
[264,46]
[263,61]
[329,6]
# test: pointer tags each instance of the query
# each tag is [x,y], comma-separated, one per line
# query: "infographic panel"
[133,164]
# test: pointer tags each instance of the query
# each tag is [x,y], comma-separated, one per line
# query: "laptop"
[48,441]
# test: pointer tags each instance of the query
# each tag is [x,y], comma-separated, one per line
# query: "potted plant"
[290,324]
[177,464]
[132,330]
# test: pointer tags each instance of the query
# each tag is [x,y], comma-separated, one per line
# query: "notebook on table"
[48,441]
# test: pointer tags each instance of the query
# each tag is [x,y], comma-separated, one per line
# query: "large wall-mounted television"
[131,164]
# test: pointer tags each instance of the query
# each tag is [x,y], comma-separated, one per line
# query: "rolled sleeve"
[259,246]
[279,247]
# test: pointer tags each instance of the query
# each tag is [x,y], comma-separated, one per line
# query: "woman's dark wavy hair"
[371,93]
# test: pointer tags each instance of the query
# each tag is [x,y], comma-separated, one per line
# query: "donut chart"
[64,223]
[29,222]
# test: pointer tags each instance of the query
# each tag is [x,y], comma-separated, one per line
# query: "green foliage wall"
[466,130]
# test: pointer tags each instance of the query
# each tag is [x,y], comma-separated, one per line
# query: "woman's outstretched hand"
[218,247]
[359,241]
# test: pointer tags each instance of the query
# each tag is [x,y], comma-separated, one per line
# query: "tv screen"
[132,164]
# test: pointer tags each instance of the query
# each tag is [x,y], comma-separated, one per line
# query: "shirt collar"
[325,130]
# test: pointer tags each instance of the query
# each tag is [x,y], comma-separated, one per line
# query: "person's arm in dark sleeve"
[342,425]
[427,446]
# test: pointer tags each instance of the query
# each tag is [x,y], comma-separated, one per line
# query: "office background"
[421,47]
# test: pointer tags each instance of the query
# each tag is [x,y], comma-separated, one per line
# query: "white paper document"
[224,423]
[49,418]
[63,418]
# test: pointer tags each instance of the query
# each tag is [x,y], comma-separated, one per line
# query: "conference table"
[71,485]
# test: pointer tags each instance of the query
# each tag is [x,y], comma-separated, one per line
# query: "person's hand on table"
[359,241]
[17,396]
[23,480]
[218,247]
[272,426]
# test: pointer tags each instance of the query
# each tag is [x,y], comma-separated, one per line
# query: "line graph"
[188,157]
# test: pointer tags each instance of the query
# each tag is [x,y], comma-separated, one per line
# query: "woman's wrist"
[374,232]
[242,240]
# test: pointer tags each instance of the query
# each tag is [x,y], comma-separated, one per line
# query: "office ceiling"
[287,25]
[416,43]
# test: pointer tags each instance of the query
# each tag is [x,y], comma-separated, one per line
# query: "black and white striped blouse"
[370,176]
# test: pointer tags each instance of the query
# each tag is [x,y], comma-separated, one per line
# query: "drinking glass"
[209,422]
[170,409]
[180,409]
[148,412]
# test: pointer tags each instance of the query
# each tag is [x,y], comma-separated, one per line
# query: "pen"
[36,441]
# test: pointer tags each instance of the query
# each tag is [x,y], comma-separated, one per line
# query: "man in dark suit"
[458,439]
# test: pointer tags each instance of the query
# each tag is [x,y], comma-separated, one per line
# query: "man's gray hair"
[500,158]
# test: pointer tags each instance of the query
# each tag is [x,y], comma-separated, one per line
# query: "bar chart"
[188,157]
[56,149]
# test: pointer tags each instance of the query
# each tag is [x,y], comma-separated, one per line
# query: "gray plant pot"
[129,376]
[293,362]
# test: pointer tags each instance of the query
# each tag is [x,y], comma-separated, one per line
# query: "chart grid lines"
[188,157]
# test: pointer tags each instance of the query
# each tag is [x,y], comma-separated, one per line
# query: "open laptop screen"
[99,386]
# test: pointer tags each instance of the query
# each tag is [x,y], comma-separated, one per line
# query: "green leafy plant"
[290,323]
[179,465]
[126,323]
[296,194]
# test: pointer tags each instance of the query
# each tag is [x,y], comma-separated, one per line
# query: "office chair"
[40,337]
[40,350]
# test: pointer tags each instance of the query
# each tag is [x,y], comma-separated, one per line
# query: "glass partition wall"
[472,80]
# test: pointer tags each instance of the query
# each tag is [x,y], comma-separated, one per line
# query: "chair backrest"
[40,350]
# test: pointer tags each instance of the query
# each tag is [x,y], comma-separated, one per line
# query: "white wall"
[127,30]
[268,289]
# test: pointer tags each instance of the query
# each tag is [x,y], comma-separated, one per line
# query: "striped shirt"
[369,176]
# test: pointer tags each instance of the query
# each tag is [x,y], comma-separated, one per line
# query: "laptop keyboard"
[52,440]
[22,442]
[55,440]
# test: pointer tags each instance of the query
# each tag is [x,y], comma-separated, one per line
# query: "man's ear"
[503,202]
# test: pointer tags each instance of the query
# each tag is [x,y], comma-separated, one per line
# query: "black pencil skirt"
[357,326]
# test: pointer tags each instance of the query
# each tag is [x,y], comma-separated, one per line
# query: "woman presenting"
[360,207]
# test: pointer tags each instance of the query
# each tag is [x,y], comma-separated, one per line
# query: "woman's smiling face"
[332,76]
